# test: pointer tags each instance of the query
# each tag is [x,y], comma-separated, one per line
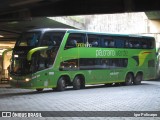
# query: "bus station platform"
[126,99]
[5,85]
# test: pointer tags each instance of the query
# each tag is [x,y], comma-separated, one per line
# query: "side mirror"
[30,53]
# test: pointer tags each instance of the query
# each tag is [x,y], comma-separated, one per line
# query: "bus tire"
[61,84]
[138,79]
[77,83]
[129,79]
[39,89]
[53,89]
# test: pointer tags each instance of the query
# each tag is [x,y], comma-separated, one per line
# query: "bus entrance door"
[42,79]
[40,62]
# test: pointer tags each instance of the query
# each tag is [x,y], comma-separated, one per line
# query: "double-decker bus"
[57,58]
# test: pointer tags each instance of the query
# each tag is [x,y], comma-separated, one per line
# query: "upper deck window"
[52,39]
[94,40]
[29,39]
[148,43]
[75,40]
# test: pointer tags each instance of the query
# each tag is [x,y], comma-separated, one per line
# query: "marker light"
[27,79]
[16,56]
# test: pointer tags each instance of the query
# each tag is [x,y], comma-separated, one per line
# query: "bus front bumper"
[21,83]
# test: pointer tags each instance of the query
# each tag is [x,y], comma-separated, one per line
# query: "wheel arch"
[139,72]
[138,78]
[67,78]
[129,77]
[82,77]
[130,72]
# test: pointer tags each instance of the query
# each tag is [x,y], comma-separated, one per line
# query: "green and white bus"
[57,58]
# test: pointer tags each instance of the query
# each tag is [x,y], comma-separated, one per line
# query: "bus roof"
[89,32]
[110,34]
[49,29]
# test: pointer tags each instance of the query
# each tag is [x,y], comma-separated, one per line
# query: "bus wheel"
[53,89]
[129,79]
[61,85]
[77,83]
[39,89]
[138,79]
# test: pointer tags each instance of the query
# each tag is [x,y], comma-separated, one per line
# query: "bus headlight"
[10,78]
[27,79]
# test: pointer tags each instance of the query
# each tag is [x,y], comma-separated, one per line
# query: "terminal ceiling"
[20,15]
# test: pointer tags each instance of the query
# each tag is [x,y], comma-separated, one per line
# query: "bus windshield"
[20,65]
[29,39]
[45,47]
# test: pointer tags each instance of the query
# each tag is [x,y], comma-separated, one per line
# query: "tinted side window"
[94,63]
[120,43]
[29,39]
[69,65]
[134,43]
[94,40]
[52,39]
[74,39]
[144,44]
[141,43]
[148,43]
[102,63]
[114,42]
[152,43]
[107,42]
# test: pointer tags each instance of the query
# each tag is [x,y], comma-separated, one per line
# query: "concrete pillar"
[154,26]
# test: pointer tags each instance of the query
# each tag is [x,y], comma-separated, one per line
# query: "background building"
[130,23]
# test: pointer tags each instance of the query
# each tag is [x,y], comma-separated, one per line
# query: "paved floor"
[145,97]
